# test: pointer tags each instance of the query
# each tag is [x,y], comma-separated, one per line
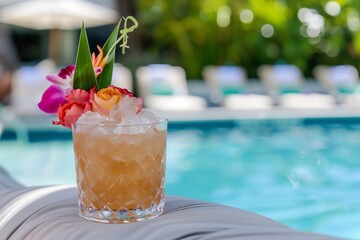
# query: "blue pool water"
[303,173]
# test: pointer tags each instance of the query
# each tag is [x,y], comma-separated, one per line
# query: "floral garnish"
[99,61]
[51,99]
[105,99]
[64,78]
[54,96]
[86,86]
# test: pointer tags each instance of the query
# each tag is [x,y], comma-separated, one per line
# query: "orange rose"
[105,99]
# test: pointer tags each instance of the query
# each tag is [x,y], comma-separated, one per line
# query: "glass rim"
[159,121]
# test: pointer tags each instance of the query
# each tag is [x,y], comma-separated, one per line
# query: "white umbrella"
[57,14]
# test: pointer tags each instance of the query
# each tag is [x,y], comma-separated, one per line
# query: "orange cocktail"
[120,171]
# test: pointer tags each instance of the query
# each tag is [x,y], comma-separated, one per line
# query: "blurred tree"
[249,33]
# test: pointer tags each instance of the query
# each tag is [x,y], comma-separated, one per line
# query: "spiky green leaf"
[104,79]
[84,77]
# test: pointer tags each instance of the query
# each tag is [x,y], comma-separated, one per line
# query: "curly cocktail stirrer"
[124,34]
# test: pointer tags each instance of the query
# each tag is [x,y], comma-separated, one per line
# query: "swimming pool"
[304,173]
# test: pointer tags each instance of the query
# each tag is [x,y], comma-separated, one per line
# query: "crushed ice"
[122,119]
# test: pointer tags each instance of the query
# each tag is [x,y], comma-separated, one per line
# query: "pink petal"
[51,99]
[78,96]
[64,77]
[88,107]
[67,71]
[56,79]
[123,91]
[98,70]
[72,115]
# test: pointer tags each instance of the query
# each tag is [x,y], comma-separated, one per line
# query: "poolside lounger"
[227,87]
[164,87]
[28,85]
[285,84]
[341,81]
[122,77]
[51,212]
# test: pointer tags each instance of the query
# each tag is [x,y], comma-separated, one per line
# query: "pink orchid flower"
[64,78]
[54,96]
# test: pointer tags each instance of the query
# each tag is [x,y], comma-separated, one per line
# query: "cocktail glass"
[120,171]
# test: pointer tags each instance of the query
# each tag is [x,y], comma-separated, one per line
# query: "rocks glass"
[120,171]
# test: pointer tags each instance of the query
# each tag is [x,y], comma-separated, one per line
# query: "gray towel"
[6,182]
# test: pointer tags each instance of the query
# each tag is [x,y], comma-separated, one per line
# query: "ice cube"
[147,116]
[87,120]
[126,107]
[123,117]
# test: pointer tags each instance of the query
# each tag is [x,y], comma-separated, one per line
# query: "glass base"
[106,215]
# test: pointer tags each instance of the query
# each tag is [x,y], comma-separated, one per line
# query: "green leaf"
[104,79]
[84,77]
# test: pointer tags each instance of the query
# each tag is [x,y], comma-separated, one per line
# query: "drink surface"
[120,171]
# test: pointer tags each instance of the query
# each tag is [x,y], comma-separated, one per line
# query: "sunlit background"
[194,34]
[263,98]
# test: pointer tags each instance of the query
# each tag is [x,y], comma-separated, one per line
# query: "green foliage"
[104,79]
[188,33]
[84,77]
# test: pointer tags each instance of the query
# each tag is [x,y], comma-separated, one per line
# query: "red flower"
[78,103]
[70,112]
[78,96]
[124,91]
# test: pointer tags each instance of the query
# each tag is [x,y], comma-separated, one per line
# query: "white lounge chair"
[227,87]
[285,83]
[164,87]
[341,81]
[28,85]
[122,77]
